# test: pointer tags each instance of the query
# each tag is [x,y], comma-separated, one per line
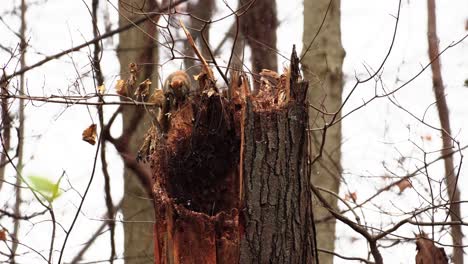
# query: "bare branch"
[103,36]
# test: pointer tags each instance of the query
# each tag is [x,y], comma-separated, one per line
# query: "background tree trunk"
[322,66]
[258,25]
[203,9]
[451,177]
[21,137]
[137,206]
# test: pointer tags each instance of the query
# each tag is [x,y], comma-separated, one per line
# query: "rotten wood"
[196,189]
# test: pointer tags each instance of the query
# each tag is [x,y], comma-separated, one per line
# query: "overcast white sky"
[377,134]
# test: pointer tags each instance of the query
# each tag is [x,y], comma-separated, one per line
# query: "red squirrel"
[176,90]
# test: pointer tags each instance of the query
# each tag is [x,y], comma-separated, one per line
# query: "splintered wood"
[274,89]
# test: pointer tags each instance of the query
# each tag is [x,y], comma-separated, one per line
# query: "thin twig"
[22,217]
[96,234]
[99,80]
[78,100]
[345,257]
[78,211]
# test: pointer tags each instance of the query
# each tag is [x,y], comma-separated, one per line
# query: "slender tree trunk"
[451,177]
[5,128]
[137,207]
[322,65]
[258,26]
[21,137]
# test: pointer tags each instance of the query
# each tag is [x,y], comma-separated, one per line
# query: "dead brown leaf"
[89,134]
[133,67]
[143,89]
[148,146]
[2,235]
[157,98]
[351,196]
[121,88]
[404,184]
[427,137]
[428,253]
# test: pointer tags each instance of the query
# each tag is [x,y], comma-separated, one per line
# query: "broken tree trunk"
[231,181]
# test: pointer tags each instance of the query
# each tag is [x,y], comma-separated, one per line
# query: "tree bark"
[6,127]
[277,213]
[451,177]
[233,186]
[322,65]
[137,207]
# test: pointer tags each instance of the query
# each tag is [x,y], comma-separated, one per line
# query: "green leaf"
[45,187]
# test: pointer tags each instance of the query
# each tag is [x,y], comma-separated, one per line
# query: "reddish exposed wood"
[196,189]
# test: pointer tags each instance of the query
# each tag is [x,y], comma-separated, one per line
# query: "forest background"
[380,141]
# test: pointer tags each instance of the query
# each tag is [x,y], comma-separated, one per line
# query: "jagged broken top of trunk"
[197,162]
